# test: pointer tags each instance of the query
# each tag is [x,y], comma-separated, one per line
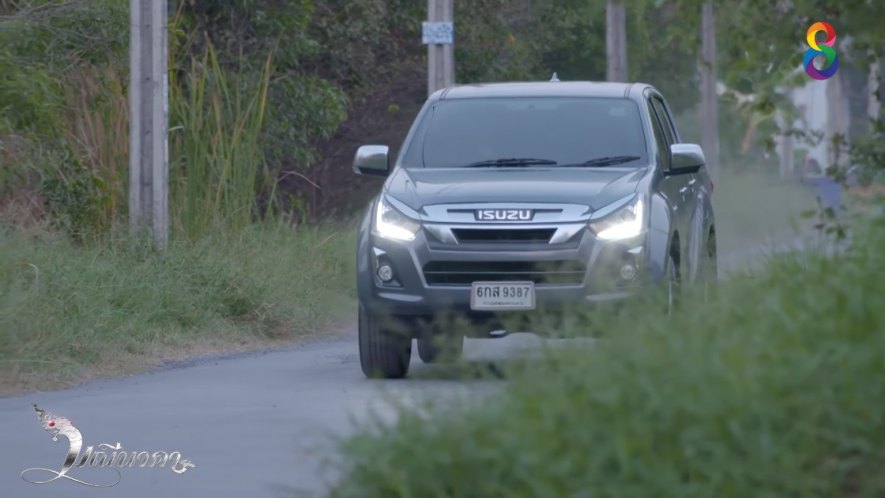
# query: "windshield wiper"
[511,161]
[605,161]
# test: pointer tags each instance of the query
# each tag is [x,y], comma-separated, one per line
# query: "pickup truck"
[511,198]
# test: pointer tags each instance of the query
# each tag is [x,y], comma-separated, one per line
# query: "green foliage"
[307,108]
[761,45]
[500,41]
[868,153]
[359,32]
[45,40]
[577,45]
[215,150]
[329,55]
[114,307]
[250,28]
[531,39]
[66,34]
[76,198]
[326,54]
[52,111]
[664,48]
[29,97]
[771,389]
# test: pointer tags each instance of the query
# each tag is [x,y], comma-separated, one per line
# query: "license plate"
[502,296]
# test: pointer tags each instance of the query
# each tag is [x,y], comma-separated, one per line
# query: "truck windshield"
[529,132]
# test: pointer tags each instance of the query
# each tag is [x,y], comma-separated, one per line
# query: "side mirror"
[686,158]
[372,160]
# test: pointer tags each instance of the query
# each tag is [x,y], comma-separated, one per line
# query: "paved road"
[257,425]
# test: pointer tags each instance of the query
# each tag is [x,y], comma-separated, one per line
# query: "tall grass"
[774,388]
[69,312]
[216,156]
[96,129]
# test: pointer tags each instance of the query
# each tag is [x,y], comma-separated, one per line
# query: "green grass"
[775,388]
[217,117]
[70,312]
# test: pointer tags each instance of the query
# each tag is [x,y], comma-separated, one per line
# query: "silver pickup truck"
[519,198]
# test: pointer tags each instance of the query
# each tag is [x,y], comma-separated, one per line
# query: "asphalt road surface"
[256,425]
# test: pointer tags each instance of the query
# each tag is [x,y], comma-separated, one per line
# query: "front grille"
[467,272]
[517,235]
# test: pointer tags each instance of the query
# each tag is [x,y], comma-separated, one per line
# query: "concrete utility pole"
[616,41]
[148,120]
[873,105]
[709,113]
[438,35]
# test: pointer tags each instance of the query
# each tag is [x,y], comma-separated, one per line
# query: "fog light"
[385,272]
[628,272]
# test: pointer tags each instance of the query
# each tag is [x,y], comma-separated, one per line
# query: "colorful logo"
[825,48]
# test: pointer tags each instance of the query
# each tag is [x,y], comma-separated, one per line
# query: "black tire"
[383,353]
[710,268]
[672,285]
[440,347]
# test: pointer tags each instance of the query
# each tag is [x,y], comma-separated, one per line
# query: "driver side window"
[664,118]
[662,145]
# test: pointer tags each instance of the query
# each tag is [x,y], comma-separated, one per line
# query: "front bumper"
[421,287]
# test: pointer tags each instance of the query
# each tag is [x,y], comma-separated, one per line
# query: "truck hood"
[594,187]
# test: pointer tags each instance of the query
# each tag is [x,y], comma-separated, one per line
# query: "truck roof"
[538,89]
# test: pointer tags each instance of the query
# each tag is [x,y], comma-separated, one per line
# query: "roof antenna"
[554,78]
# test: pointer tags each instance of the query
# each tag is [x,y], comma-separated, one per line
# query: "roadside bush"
[868,153]
[773,389]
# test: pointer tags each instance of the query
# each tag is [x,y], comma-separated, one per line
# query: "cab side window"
[663,145]
[412,155]
[664,118]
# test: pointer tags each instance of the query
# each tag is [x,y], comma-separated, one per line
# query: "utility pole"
[438,35]
[873,104]
[709,114]
[616,41]
[148,120]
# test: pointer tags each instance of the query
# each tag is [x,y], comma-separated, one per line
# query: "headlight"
[392,224]
[623,223]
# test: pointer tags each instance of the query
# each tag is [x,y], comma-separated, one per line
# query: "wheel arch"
[662,235]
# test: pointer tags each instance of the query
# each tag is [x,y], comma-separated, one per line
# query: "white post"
[148,120]
[709,113]
[440,56]
[136,208]
[873,105]
[160,122]
[616,41]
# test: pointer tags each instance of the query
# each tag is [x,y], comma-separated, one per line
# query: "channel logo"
[825,48]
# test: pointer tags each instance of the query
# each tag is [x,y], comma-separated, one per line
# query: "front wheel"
[710,268]
[384,353]
[673,285]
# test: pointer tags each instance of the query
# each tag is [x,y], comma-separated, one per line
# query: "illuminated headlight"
[623,222]
[392,224]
